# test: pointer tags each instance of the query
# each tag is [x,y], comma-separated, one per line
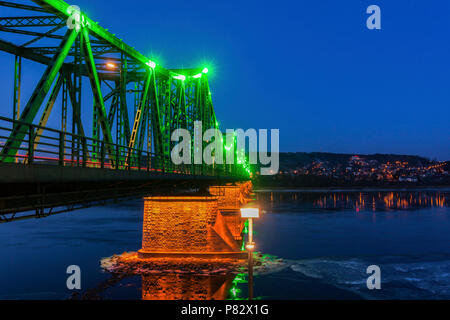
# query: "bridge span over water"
[97,124]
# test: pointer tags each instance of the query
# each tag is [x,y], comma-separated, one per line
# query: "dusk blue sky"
[310,68]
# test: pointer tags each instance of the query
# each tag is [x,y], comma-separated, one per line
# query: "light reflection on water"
[328,237]
[186,287]
[358,201]
[173,286]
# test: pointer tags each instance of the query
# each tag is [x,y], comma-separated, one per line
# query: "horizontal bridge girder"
[31,21]
[21,6]
[96,50]
[37,173]
[31,33]
[162,100]
[60,8]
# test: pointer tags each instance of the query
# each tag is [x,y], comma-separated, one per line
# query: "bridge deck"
[39,190]
[42,173]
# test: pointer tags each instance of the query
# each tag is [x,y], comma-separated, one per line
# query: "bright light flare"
[151,64]
[250,213]
[250,246]
[111,65]
[180,77]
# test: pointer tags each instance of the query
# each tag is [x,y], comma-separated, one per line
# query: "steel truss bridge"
[49,162]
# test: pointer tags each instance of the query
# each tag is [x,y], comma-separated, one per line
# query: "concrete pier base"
[198,255]
[187,226]
[230,198]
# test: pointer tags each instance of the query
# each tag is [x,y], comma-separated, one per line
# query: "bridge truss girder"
[163,102]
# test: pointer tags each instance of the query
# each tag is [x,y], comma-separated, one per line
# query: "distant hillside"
[324,169]
[289,160]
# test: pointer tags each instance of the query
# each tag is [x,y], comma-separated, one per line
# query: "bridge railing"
[42,145]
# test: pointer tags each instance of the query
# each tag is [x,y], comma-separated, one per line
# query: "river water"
[325,238]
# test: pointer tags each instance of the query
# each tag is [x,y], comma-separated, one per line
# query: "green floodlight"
[205,70]
[197,76]
[180,77]
[151,64]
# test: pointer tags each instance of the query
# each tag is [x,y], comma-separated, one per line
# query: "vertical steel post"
[139,159]
[30,144]
[102,150]
[76,105]
[117,156]
[61,148]
[250,259]
[128,163]
[84,159]
[95,132]
[64,106]
[17,87]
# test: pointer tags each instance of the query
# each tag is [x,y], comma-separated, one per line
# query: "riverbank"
[350,189]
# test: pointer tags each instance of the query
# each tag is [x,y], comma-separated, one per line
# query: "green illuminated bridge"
[97,124]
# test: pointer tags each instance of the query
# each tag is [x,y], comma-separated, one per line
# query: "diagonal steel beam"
[47,111]
[140,110]
[73,102]
[112,110]
[41,36]
[96,90]
[49,106]
[16,50]
[60,8]
[157,123]
[124,80]
[37,98]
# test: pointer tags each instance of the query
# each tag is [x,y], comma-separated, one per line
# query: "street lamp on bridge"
[250,214]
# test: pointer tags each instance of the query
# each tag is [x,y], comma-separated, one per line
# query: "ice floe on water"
[128,263]
[411,280]
[399,280]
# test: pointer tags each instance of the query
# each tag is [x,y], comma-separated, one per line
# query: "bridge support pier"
[187,226]
[230,198]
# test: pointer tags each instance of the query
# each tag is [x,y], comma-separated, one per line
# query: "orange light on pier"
[191,226]
[230,199]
